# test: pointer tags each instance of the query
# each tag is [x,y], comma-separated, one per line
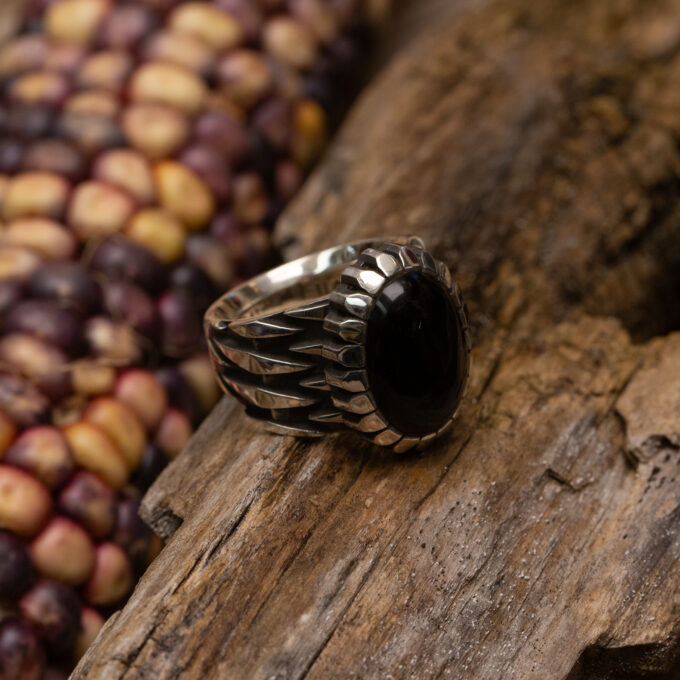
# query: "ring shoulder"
[273,364]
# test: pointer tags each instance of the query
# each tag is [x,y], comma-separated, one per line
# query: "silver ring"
[370,336]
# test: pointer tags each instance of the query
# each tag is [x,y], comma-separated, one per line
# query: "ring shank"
[308,277]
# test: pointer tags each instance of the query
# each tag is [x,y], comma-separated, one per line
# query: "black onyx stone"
[415,354]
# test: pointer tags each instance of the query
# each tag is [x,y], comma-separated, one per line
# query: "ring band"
[370,336]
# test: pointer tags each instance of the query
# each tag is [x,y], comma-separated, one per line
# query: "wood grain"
[535,147]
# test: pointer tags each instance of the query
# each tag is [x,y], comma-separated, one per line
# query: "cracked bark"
[535,147]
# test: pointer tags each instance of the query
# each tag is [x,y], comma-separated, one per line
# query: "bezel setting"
[346,323]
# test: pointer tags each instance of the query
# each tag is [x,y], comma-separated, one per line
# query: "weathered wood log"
[535,147]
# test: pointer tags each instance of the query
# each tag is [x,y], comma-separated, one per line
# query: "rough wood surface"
[535,146]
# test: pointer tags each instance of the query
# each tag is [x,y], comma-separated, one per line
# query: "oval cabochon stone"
[415,354]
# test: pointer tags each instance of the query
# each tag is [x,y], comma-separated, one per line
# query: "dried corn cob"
[146,149]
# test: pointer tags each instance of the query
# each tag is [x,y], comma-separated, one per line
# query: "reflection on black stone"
[415,354]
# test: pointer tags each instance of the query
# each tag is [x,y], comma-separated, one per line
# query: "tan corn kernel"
[35,194]
[112,575]
[63,552]
[74,21]
[208,23]
[31,356]
[245,76]
[17,263]
[159,232]
[180,48]
[122,426]
[45,236]
[157,131]
[184,194]
[39,87]
[309,132]
[94,451]
[129,170]
[290,41]
[95,102]
[43,452]
[107,70]
[170,84]
[90,377]
[98,209]
[142,392]
[25,503]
